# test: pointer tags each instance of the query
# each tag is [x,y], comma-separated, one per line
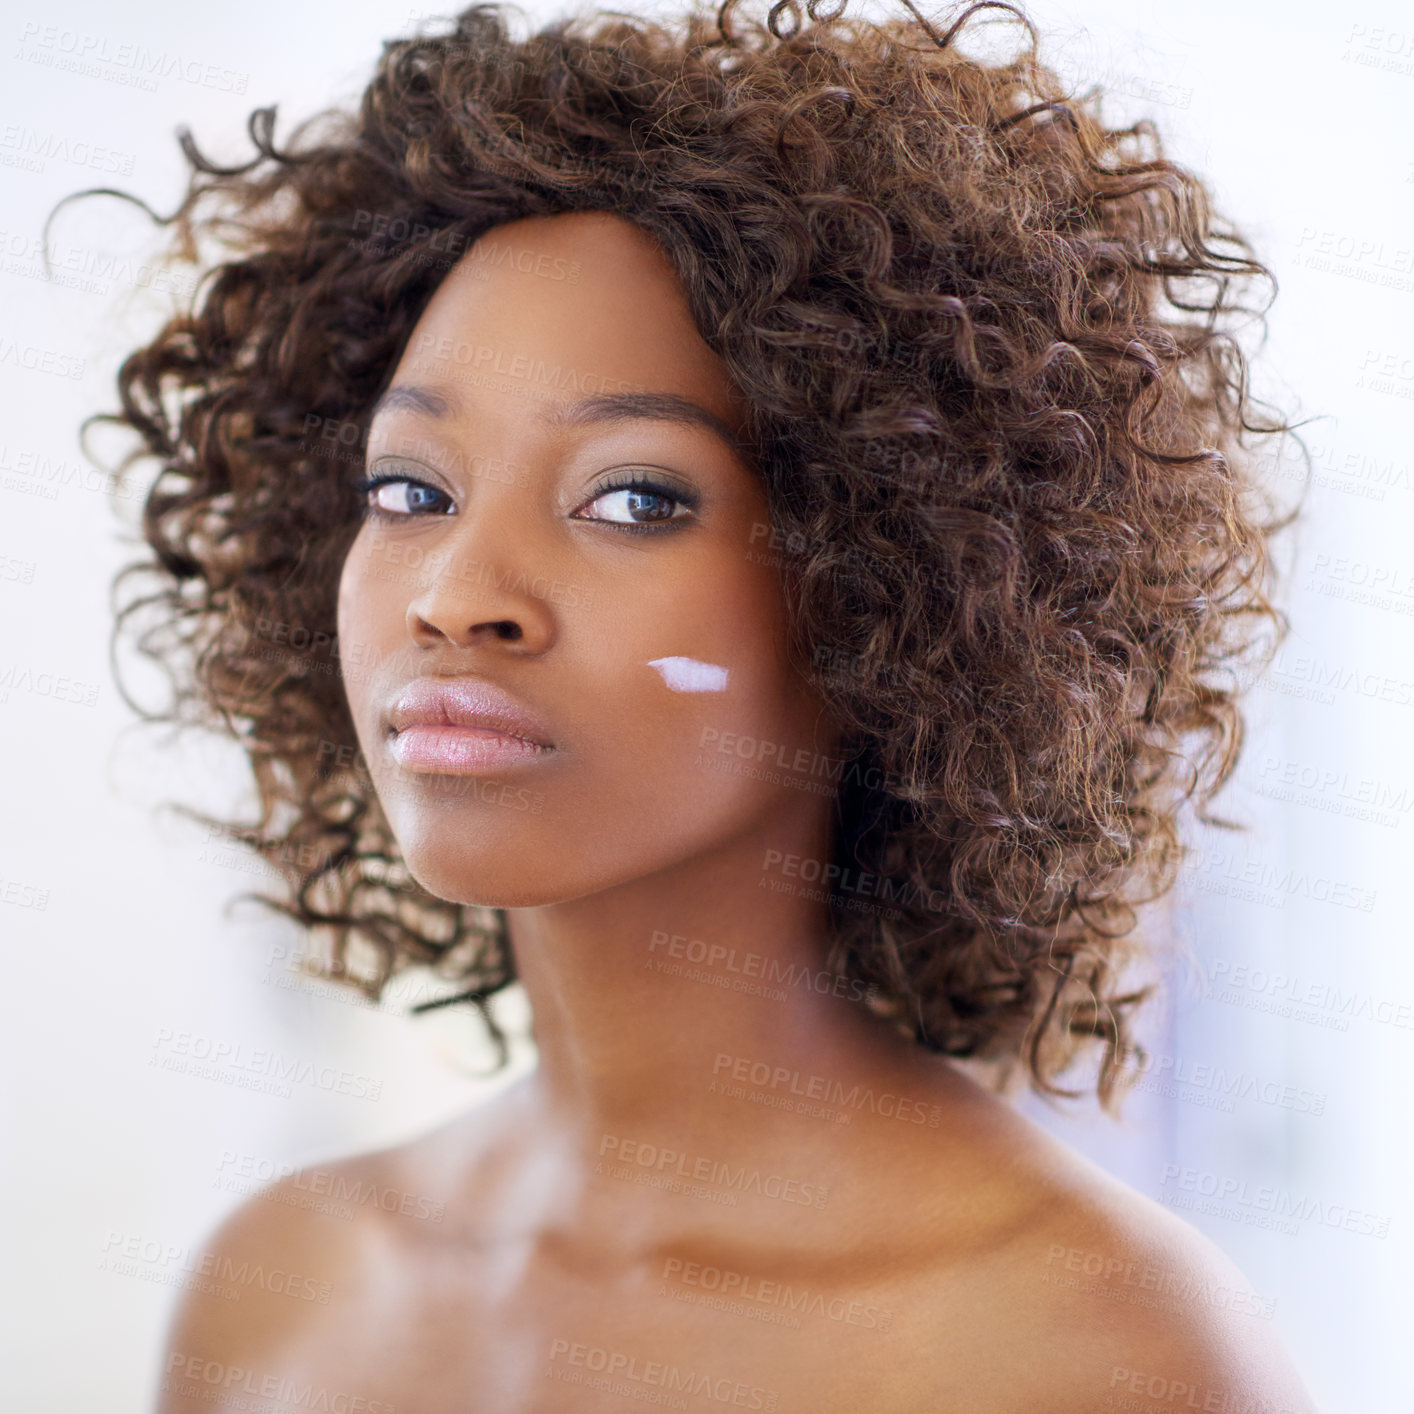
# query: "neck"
[647,995]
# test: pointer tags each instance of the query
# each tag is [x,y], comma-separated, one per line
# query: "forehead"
[551,308]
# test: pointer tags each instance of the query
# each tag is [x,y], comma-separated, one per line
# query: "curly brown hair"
[989,349]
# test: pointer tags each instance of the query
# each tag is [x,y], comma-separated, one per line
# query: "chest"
[502,1337]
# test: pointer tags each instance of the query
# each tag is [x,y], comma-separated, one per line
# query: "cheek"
[705,703]
[362,633]
[349,628]
[718,644]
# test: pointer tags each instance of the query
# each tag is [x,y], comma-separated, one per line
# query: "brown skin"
[948,1216]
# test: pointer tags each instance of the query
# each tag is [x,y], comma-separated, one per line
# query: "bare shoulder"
[248,1296]
[301,1272]
[1135,1308]
[1159,1315]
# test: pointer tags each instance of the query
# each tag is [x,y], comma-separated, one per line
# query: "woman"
[729,526]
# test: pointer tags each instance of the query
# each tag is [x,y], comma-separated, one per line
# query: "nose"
[471,597]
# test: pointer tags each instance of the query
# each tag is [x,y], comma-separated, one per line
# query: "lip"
[456,726]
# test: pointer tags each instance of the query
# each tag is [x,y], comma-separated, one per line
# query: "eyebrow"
[440,404]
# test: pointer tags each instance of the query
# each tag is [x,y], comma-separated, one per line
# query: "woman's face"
[640,633]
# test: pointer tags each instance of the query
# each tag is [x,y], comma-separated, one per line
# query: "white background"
[1302,117]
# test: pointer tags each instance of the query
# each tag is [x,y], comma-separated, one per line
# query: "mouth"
[461,751]
[463,727]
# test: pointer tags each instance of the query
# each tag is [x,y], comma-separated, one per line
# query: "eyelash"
[623,481]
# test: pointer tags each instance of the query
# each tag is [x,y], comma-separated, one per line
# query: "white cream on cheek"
[688,675]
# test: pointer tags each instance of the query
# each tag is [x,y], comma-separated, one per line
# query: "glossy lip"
[457,726]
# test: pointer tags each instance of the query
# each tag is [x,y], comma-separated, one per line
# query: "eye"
[638,503]
[405,495]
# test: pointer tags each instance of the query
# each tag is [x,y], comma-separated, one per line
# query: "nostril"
[507,629]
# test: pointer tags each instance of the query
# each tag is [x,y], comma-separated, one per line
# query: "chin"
[499,876]
[494,878]
[526,872]
[461,882]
